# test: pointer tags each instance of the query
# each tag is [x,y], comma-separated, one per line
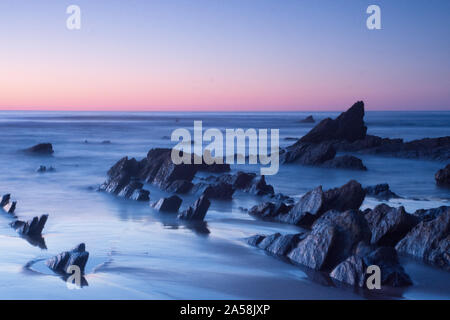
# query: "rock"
[269,209]
[180,186]
[255,240]
[429,240]
[283,244]
[312,252]
[140,195]
[268,240]
[430,214]
[106,142]
[260,187]
[31,228]
[308,153]
[353,270]
[380,191]
[389,225]
[443,176]
[42,149]
[350,229]
[345,162]
[306,210]
[197,211]
[349,196]
[171,204]
[222,190]
[348,126]
[7,205]
[77,256]
[308,119]
[314,203]
[120,175]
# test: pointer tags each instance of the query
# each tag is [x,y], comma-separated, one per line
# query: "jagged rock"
[353,270]
[255,240]
[120,175]
[308,119]
[269,209]
[443,176]
[268,240]
[348,126]
[308,153]
[333,238]
[345,162]
[140,195]
[430,214]
[429,240]
[42,148]
[180,186]
[171,204]
[312,252]
[31,228]
[260,187]
[313,204]
[7,205]
[222,190]
[380,191]
[283,244]
[78,256]
[389,225]
[197,211]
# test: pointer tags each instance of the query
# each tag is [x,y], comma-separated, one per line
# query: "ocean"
[137,253]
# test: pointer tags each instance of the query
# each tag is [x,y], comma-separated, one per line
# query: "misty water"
[137,253]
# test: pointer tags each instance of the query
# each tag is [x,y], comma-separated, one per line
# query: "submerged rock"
[389,225]
[308,119]
[380,191]
[429,240]
[43,169]
[78,256]
[7,205]
[171,204]
[197,211]
[32,228]
[345,162]
[42,149]
[443,176]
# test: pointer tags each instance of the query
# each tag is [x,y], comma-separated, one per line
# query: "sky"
[224,55]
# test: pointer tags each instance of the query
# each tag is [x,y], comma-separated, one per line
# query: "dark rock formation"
[221,190]
[120,175]
[443,176]
[171,204]
[180,186]
[313,204]
[353,270]
[270,209]
[429,240]
[7,205]
[78,256]
[41,149]
[348,126]
[197,211]
[245,181]
[308,153]
[140,195]
[345,162]
[308,119]
[31,228]
[380,191]
[430,214]
[389,225]
[134,191]
[333,238]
